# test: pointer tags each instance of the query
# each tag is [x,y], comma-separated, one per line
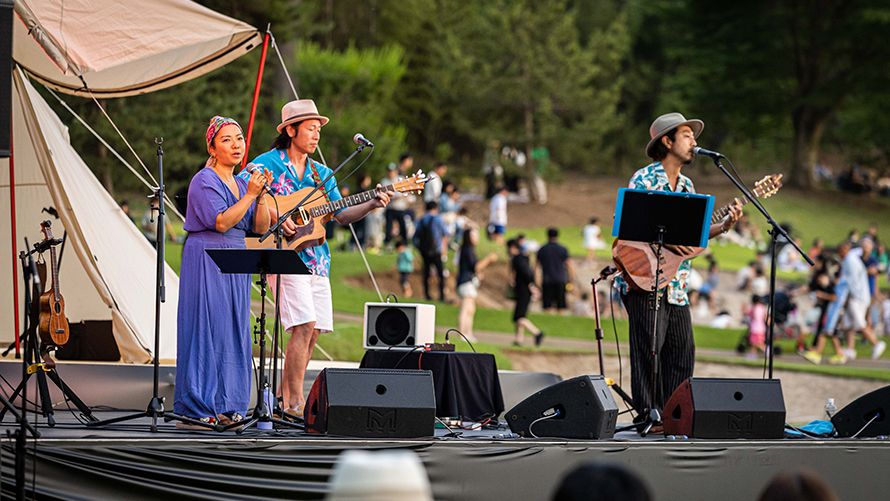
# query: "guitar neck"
[349,201]
[722,212]
[55,272]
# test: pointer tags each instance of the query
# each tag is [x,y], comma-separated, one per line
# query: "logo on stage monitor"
[740,423]
[381,420]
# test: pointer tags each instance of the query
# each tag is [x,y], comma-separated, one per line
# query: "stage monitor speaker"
[398,325]
[372,403]
[580,407]
[5,75]
[866,416]
[726,408]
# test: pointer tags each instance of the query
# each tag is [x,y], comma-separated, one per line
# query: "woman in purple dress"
[213,357]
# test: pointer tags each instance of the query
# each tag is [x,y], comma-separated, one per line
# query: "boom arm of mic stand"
[282,217]
[756,203]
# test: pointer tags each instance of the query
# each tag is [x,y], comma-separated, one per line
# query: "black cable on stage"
[412,350]
[461,335]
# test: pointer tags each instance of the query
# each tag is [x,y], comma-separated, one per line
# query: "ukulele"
[314,213]
[53,325]
[637,260]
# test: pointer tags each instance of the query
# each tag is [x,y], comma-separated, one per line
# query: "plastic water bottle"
[830,408]
[267,396]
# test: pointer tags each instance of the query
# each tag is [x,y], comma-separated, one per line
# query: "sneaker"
[837,359]
[813,357]
[539,337]
[878,350]
[849,353]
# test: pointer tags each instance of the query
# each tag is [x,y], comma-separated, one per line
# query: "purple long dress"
[213,353]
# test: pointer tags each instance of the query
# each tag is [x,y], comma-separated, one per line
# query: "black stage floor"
[127,461]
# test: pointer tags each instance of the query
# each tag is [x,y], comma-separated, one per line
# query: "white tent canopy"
[108,267]
[124,47]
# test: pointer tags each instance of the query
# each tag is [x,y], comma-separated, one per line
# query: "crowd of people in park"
[838,301]
[845,305]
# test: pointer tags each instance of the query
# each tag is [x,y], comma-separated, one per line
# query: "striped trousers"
[674,348]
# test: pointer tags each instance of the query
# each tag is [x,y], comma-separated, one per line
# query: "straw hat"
[668,122]
[379,476]
[299,110]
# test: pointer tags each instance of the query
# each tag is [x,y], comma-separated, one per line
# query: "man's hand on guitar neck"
[735,212]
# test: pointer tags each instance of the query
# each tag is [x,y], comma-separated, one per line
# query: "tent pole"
[256,97]
[15,273]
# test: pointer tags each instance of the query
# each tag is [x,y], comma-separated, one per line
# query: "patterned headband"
[216,124]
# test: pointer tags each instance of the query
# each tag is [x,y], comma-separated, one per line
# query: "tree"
[763,64]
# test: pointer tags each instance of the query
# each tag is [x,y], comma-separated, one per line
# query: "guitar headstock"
[768,186]
[413,184]
[46,228]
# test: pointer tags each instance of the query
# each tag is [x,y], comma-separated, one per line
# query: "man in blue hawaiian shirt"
[672,139]
[305,301]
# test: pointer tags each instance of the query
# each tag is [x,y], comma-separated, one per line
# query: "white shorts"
[855,315]
[304,299]
[468,289]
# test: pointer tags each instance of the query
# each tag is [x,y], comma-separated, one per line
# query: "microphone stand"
[774,232]
[155,409]
[598,331]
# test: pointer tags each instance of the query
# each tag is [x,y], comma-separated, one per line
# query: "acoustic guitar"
[53,325]
[637,260]
[314,213]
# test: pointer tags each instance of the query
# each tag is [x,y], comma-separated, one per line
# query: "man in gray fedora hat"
[305,300]
[671,142]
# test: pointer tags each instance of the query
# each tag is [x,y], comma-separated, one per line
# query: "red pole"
[15,264]
[256,97]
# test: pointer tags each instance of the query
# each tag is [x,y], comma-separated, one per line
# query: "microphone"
[608,270]
[708,153]
[361,140]
[252,167]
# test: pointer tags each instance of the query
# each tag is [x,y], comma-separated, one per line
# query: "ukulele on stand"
[53,326]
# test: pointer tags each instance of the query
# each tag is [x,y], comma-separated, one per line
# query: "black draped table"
[467,384]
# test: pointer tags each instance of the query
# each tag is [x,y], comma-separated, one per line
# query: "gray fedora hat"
[668,122]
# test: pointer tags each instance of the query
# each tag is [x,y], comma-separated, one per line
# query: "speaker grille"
[393,326]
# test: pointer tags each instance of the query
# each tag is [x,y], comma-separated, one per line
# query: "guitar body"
[309,232]
[315,212]
[53,326]
[637,261]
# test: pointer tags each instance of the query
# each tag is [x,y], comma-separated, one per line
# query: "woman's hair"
[797,486]
[467,240]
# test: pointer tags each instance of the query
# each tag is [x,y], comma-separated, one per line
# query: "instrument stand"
[598,330]
[262,262]
[653,414]
[155,409]
[775,230]
[35,350]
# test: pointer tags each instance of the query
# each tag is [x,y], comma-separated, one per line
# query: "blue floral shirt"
[653,177]
[285,182]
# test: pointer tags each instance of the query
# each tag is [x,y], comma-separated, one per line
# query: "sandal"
[211,421]
[297,411]
[229,418]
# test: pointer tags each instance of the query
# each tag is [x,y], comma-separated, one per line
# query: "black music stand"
[262,262]
[661,218]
